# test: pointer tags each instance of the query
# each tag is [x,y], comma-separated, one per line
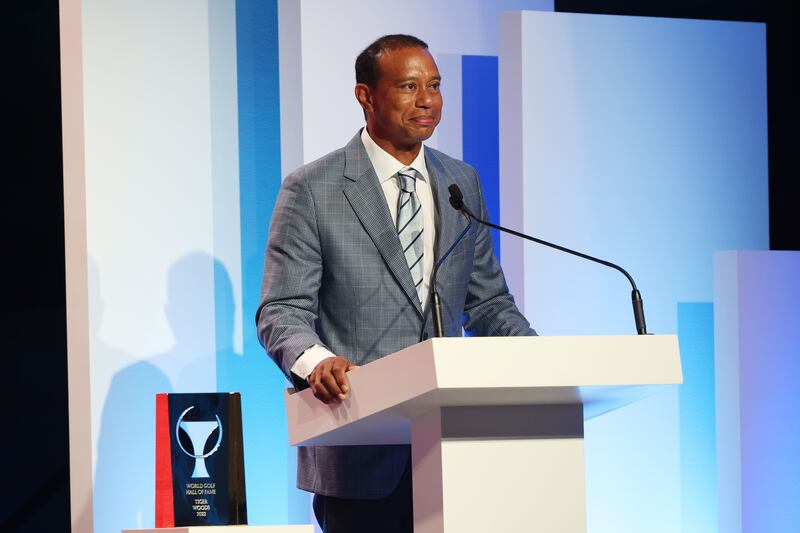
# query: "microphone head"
[456,198]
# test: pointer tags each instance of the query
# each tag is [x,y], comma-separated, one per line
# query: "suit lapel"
[368,201]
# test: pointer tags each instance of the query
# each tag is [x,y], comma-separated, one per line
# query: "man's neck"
[404,154]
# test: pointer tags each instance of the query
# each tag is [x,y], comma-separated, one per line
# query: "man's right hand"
[329,380]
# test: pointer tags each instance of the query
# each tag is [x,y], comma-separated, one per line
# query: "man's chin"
[421,134]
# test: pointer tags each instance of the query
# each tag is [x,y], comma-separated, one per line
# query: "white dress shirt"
[386,167]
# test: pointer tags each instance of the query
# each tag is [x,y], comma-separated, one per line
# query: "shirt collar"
[385,165]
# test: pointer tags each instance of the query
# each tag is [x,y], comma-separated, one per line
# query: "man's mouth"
[423,120]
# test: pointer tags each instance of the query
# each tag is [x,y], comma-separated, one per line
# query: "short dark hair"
[367,70]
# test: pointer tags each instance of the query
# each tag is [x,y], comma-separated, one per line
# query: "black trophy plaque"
[199,460]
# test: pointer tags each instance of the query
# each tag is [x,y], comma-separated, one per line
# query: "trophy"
[199,460]
[198,435]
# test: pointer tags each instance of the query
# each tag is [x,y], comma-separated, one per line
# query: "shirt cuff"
[309,360]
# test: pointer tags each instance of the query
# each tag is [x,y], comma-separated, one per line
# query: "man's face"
[405,105]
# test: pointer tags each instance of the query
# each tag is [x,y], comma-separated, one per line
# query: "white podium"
[495,424]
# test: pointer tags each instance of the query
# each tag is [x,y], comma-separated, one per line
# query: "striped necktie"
[410,226]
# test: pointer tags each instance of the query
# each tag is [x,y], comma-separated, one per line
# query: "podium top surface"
[602,373]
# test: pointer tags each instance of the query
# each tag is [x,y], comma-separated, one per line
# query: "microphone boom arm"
[457,201]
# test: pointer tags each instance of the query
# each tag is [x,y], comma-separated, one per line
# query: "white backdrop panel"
[331,35]
[757,331]
[162,209]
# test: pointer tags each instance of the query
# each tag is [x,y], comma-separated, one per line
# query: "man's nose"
[424,98]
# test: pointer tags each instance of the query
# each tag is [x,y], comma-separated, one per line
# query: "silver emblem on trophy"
[198,433]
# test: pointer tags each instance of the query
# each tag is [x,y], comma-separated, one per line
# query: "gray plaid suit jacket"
[335,275]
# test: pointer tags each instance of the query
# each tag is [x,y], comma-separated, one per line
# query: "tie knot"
[408,180]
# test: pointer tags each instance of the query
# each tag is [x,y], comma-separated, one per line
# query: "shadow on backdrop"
[201,311]
[124,491]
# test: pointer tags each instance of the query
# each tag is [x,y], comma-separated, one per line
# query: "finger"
[341,378]
[328,381]
[320,392]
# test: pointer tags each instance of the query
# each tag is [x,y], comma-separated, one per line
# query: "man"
[351,248]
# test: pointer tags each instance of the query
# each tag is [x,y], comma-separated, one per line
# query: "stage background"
[182,164]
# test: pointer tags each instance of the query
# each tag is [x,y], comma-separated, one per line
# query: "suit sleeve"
[287,314]
[489,309]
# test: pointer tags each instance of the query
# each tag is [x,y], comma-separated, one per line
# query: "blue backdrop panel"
[697,418]
[269,464]
[480,129]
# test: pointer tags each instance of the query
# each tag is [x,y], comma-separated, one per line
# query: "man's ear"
[364,96]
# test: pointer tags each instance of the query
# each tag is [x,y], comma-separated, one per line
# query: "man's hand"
[328,379]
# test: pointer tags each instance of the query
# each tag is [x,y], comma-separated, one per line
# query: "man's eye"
[436,85]
[410,86]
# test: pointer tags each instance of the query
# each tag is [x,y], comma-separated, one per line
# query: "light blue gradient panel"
[480,128]
[269,463]
[697,418]
[644,143]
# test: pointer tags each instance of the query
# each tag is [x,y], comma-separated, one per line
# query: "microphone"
[433,294]
[457,201]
